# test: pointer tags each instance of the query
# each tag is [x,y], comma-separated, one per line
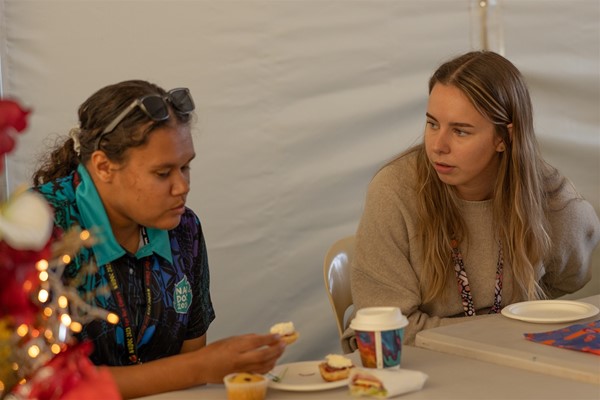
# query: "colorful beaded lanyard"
[463,282]
[131,342]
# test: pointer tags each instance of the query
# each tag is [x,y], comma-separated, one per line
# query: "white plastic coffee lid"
[378,319]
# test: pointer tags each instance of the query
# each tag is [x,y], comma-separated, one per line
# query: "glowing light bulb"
[76,327]
[43,276]
[41,265]
[33,351]
[22,330]
[65,319]
[63,302]
[112,318]
[43,296]
[27,285]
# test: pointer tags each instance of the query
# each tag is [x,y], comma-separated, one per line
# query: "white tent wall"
[298,104]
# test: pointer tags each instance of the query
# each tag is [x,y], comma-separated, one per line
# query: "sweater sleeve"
[575,232]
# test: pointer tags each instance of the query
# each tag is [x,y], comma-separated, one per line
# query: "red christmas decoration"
[13,119]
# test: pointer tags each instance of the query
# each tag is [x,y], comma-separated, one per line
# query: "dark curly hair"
[94,115]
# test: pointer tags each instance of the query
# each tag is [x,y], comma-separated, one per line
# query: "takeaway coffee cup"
[379,333]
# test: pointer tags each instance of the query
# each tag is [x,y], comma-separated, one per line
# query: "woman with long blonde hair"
[473,218]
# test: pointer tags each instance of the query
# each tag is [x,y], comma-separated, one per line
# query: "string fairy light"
[63,311]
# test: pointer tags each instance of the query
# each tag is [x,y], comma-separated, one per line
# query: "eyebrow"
[459,124]
[171,165]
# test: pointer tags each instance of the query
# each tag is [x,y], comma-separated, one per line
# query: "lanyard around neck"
[125,319]
[463,282]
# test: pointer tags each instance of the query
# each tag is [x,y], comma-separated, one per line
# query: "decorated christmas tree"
[41,312]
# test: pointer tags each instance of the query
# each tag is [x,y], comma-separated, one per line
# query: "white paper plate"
[302,377]
[550,311]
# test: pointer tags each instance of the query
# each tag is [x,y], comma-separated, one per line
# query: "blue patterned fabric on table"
[581,337]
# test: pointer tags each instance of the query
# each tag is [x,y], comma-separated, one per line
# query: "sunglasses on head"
[155,107]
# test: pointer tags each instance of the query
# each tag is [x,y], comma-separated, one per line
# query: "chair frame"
[336,273]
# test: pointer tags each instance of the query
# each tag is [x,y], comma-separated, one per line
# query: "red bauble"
[13,118]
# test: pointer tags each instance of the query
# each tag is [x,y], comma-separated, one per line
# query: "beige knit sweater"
[387,263]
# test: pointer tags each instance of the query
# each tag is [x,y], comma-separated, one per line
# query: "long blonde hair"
[498,91]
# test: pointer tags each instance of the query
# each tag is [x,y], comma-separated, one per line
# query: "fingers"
[244,353]
[259,353]
[263,360]
[253,341]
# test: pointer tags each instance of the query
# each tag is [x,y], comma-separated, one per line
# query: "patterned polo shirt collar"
[107,249]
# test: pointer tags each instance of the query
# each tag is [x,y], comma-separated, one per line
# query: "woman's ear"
[101,167]
[501,145]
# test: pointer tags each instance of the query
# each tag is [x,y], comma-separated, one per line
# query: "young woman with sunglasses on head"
[473,218]
[124,174]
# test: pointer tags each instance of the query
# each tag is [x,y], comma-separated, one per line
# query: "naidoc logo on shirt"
[182,296]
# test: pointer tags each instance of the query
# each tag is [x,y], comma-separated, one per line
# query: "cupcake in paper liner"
[385,383]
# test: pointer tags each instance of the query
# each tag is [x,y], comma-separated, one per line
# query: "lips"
[180,208]
[443,168]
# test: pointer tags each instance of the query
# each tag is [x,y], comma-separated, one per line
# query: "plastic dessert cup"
[245,386]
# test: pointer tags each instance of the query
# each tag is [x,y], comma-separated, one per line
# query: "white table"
[500,340]
[450,377]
